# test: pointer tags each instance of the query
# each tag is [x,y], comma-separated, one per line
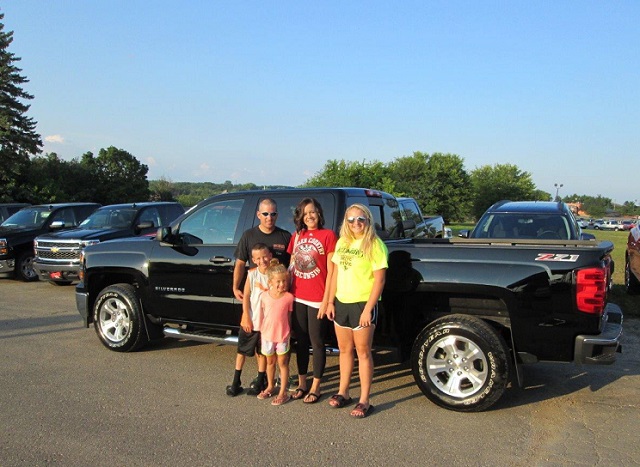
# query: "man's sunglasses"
[360,219]
[267,214]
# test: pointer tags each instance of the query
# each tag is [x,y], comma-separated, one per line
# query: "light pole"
[558,186]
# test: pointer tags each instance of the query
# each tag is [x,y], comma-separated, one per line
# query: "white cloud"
[54,139]
[151,161]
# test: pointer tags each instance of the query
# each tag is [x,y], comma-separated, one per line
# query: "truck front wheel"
[118,318]
[460,363]
[24,267]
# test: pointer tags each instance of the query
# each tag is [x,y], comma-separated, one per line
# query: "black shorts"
[348,314]
[248,343]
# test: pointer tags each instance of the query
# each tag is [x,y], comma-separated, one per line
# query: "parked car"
[541,220]
[632,262]
[57,255]
[628,225]
[18,232]
[609,224]
[8,209]
[595,222]
[583,223]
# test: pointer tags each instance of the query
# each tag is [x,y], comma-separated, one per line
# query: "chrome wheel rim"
[114,320]
[457,366]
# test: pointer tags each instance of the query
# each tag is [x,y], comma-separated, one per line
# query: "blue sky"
[267,92]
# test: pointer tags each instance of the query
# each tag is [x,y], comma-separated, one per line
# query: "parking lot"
[66,400]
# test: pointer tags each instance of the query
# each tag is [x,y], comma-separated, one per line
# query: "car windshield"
[28,218]
[109,218]
[526,225]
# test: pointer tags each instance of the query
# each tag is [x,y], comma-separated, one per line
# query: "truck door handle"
[219,259]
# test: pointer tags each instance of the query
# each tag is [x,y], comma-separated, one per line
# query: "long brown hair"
[298,214]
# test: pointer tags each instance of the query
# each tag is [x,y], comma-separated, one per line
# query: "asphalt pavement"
[67,400]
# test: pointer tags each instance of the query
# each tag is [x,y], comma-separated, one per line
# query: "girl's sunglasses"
[360,219]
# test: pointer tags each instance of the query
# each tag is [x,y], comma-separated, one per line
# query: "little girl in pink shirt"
[276,304]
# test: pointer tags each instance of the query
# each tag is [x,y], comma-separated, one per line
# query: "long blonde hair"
[369,239]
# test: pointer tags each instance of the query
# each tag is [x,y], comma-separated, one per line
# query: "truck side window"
[150,215]
[65,215]
[214,223]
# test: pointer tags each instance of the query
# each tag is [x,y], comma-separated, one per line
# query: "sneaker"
[233,390]
[255,388]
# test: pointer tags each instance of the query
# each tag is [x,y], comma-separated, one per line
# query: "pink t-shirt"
[274,317]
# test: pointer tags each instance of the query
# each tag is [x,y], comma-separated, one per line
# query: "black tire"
[460,363]
[631,283]
[24,267]
[118,319]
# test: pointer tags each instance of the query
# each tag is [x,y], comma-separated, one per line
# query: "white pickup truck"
[610,224]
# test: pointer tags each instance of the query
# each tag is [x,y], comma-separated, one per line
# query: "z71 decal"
[557,257]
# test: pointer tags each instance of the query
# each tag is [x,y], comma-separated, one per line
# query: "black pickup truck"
[57,254]
[467,312]
[18,231]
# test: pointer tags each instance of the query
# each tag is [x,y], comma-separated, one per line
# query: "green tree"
[162,189]
[438,182]
[18,137]
[595,206]
[353,174]
[500,181]
[118,176]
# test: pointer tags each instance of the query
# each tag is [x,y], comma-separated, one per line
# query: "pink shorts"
[268,348]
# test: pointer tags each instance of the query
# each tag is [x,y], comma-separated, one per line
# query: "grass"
[630,304]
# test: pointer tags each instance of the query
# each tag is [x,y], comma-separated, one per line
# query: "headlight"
[86,243]
[3,246]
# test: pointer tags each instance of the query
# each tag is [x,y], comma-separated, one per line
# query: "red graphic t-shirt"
[309,260]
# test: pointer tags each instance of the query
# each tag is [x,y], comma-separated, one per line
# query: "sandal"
[338,401]
[281,400]
[299,394]
[265,395]
[361,410]
[312,398]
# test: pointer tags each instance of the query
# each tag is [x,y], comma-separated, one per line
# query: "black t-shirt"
[277,241]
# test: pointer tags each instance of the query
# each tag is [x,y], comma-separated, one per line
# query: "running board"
[218,339]
[200,336]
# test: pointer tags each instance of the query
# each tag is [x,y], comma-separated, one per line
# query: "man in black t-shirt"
[266,232]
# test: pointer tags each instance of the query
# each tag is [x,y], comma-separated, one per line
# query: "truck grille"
[52,251]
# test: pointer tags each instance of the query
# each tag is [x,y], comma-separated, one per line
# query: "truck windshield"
[109,218]
[28,218]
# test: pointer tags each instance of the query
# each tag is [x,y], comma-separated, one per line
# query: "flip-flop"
[281,400]
[265,395]
[312,398]
[299,393]
[361,410]
[337,401]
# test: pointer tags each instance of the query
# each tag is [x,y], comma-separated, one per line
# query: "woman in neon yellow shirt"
[360,266]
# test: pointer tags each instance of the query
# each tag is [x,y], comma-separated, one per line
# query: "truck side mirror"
[55,225]
[143,226]
[162,233]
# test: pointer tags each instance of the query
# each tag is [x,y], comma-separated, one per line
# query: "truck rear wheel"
[460,363]
[118,318]
[24,267]
[630,281]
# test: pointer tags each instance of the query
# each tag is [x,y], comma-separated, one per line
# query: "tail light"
[591,290]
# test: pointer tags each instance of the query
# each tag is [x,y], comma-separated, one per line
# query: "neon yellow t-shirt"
[355,271]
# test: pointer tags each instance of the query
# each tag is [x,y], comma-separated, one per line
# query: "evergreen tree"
[18,137]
